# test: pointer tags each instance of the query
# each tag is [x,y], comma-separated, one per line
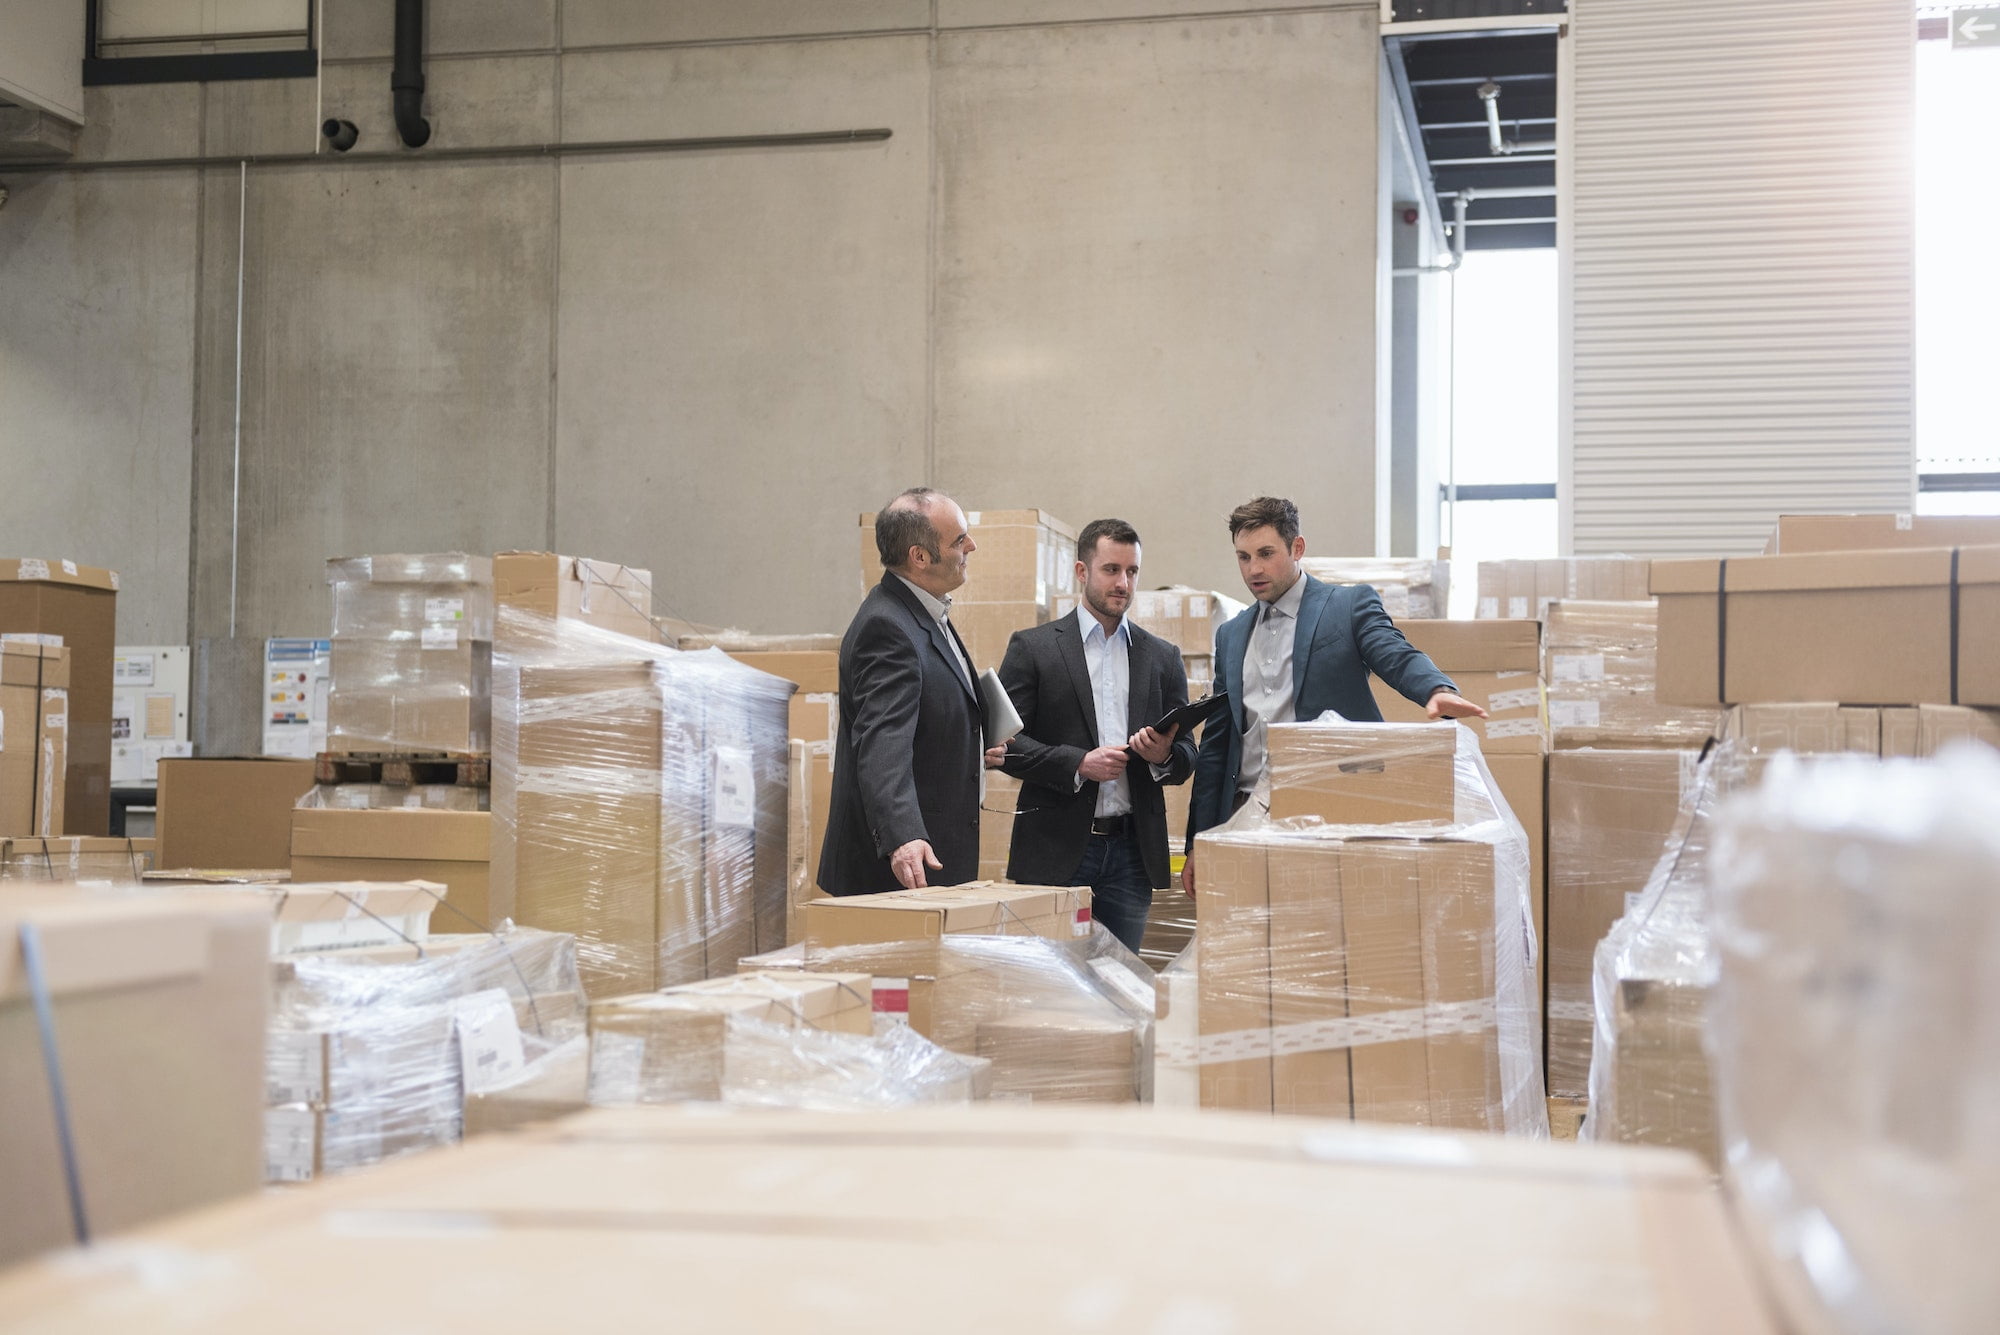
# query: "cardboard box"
[1856,533]
[1418,588]
[1578,1237]
[1610,813]
[1924,729]
[1363,774]
[1920,626]
[1495,664]
[75,858]
[815,672]
[555,1085]
[811,803]
[1517,589]
[1054,1056]
[159,1006]
[1601,665]
[601,593]
[34,737]
[409,696]
[451,848]
[344,914]
[996,824]
[219,813]
[79,604]
[1523,781]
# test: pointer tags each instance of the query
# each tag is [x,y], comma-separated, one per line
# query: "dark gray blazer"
[1343,635]
[1047,677]
[907,755]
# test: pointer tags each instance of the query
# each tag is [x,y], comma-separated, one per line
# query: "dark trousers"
[1121,894]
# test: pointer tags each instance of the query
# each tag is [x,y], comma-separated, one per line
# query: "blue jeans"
[1121,894]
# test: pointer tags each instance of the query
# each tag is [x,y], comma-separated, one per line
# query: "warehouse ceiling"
[1438,80]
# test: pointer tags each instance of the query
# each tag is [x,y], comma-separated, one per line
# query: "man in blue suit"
[1302,648]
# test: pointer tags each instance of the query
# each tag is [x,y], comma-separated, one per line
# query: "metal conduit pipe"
[406,78]
[1489,93]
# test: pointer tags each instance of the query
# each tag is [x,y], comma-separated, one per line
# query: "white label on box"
[1577,667]
[1517,609]
[294,1067]
[1082,925]
[56,722]
[1573,713]
[735,794]
[114,581]
[1904,523]
[1489,609]
[1528,697]
[1127,984]
[34,568]
[69,568]
[489,1041]
[1501,729]
[972,519]
[132,670]
[290,1137]
[444,609]
[440,637]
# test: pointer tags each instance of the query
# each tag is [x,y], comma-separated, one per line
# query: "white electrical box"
[149,711]
[297,674]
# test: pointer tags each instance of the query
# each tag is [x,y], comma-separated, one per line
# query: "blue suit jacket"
[1343,635]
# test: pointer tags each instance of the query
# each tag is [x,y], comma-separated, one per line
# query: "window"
[175,41]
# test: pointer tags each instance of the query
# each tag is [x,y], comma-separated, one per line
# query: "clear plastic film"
[372,1053]
[1016,975]
[779,1039]
[1601,662]
[394,797]
[1654,974]
[412,653]
[1410,587]
[1367,944]
[1521,590]
[640,801]
[1856,1032]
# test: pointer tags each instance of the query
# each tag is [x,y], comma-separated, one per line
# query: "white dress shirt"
[940,610]
[1267,679]
[1109,658]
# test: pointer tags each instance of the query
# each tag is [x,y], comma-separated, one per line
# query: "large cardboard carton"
[814,672]
[603,593]
[1610,813]
[1920,626]
[1409,587]
[75,857]
[78,604]
[1271,1216]
[811,804]
[226,813]
[1879,532]
[1601,665]
[1495,664]
[1363,774]
[412,653]
[159,1004]
[1923,729]
[450,848]
[1517,589]
[34,736]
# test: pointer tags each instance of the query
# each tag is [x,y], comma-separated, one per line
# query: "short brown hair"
[1276,511]
[905,522]
[1097,530]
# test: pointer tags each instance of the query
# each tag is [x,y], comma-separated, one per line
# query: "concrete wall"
[1109,261]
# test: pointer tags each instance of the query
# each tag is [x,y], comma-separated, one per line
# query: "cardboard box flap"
[56,570]
[1979,565]
[324,900]
[405,834]
[92,943]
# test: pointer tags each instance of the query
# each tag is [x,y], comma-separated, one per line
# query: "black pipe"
[406,80]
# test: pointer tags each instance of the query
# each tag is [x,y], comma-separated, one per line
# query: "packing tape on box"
[584,781]
[1336,1033]
[1528,697]
[1582,1012]
[1501,729]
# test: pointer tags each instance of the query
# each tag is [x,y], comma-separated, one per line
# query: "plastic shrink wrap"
[1409,587]
[412,653]
[1367,946]
[1017,975]
[640,801]
[1856,1033]
[371,1052]
[1600,662]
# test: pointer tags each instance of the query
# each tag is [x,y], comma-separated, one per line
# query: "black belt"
[1110,825]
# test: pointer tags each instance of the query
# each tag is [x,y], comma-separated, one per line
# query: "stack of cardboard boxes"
[51,603]
[412,654]
[34,734]
[1410,588]
[1518,590]
[1371,959]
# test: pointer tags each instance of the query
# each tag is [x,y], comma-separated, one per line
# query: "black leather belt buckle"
[1109,825]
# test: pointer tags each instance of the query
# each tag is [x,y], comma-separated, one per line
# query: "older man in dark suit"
[906,769]
[1300,649]
[1088,686]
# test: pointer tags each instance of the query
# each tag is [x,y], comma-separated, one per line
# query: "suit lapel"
[899,591]
[1310,606]
[1069,643]
[1233,654]
[1137,707]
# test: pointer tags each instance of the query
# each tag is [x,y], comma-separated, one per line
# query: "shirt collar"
[939,608]
[1090,625]
[1288,602]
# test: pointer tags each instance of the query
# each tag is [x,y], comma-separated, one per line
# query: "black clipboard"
[1192,713]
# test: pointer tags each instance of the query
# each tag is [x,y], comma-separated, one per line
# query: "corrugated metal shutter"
[1741,260]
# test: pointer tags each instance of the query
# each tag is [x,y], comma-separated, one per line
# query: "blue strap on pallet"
[45,1019]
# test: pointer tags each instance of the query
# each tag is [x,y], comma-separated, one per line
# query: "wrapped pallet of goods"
[1418,588]
[1601,663]
[1367,946]
[640,802]
[1857,1039]
[412,654]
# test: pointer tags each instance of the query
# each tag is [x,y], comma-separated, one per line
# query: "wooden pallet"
[462,769]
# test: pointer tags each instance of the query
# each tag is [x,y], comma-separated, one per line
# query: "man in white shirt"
[1088,686]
